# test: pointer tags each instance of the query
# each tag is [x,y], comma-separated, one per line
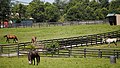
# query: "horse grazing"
[32,55]
[34,39]
[109,40]
[15,39]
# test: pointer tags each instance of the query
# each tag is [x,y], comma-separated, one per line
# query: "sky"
[51,1]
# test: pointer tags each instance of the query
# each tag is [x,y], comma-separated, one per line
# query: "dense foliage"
[62,10]
[4,9]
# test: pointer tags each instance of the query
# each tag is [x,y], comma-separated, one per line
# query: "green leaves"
[52,13]
[114,6]
[53,44]
[4,9]
[67,10]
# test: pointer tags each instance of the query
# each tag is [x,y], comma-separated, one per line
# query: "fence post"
[87,40]
[84,52]
[18,51]
[96,39]
[52,52]
[99,54]
[114,53]
[58,52]
[81,40]
[1,49]
[39,25]
[91,39]
[8,52]
[69,52]
[117,55]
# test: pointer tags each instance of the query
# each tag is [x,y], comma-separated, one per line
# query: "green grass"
[59,63]
[25,34]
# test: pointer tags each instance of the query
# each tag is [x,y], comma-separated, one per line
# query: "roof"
[113,14]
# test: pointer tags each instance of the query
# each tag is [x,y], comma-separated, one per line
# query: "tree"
[19,9]
[104,3]
[76,12]
[61,5]
[95,5]
[52,13]
[4,9]
[68,10]
[89,13]
[114,6]
[98,14]
[36,10]
[104,11]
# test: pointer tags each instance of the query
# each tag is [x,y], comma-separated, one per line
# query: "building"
[114,19]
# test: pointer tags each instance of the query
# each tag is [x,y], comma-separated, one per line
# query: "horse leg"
[109,44]
[38,59]
[115,43]
[34,61]
[7,40]
[13,40]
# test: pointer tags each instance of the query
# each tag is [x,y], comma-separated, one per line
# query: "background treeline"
[60,10]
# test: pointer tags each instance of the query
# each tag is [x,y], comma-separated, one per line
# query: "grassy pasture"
[25,34]
[59,63]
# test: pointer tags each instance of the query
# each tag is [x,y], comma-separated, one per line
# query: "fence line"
[64,43]
[89,52]
[84,40]
[25,24]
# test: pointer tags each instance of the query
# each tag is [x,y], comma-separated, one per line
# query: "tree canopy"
[4,9]
[61,10]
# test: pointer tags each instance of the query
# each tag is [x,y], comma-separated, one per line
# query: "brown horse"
[34,39]
[15,39]
[32,55]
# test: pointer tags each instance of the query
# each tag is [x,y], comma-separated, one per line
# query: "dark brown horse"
[15,39]
[32,55]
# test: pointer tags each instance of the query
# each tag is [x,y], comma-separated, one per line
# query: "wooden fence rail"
[86,52]
[84,40]
[58,52]
[64,43]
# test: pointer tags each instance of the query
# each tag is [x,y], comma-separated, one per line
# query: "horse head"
[5,36]
[32,55]
[104,40]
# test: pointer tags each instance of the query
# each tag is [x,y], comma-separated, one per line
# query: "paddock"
[66,47]
[74,51]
